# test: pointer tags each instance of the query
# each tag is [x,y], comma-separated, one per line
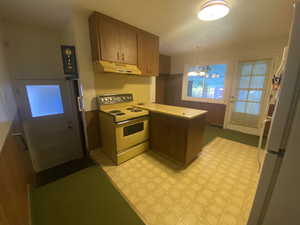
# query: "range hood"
[112,67]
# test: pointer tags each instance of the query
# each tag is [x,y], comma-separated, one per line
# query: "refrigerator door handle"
[279,153]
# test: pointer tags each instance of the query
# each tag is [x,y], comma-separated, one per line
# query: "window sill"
[204,100]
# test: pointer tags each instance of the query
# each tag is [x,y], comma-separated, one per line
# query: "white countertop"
[184,112]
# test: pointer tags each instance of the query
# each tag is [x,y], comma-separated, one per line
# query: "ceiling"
[175,21]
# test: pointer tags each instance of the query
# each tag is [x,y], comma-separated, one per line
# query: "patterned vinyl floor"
[216,189]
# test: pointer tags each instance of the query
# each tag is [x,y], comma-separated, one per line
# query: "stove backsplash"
[142,88]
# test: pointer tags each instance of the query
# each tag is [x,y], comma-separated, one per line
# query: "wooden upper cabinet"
[128,42]
[109,40]
[115,41]
[148,47]
[112,40]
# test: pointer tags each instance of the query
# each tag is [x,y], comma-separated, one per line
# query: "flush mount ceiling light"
[213,10]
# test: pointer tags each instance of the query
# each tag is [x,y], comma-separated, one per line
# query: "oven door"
[131,132]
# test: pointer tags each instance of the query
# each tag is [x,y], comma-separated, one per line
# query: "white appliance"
[124,127]
[277,200]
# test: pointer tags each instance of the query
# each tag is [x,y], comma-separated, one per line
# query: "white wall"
[271,49]
[231,55]
[7,101]
[33,52]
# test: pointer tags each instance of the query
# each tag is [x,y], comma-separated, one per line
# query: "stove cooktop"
[121,107]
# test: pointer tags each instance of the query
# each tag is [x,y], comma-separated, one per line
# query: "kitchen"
[189,118]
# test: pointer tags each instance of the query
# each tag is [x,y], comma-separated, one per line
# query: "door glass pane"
[253,108]
[246,69]
[44,100]
[240,107]
[244,82]
[260,69]
[257,82]
[243,95]
[255,95]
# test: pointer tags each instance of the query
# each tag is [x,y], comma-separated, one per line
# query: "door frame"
[264,111]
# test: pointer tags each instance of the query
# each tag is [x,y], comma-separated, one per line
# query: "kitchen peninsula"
[176,132]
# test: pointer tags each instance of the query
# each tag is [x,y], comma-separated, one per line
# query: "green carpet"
[211,132]
[83,198]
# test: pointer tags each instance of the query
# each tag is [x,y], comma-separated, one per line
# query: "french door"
[248,98]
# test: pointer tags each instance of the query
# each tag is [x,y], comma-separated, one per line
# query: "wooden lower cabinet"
[178,138]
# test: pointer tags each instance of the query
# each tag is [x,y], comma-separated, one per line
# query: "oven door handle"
[131,121]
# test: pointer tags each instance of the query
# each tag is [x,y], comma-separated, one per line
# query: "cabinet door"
[148,53]
[128,40]
[110,40]
[94,24]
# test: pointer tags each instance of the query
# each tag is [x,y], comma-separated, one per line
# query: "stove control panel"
[114,99]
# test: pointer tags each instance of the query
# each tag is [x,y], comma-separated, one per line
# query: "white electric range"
[124,127]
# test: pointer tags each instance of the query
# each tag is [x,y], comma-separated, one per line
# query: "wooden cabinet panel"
[110,40]
[95,38]
[128,40]
[115,41]
[177,138]
[164,64]
[148,46]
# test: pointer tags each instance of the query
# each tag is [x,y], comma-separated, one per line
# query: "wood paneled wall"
[164,64]
[93,129]
[168,88]
[160,89]
[16,173]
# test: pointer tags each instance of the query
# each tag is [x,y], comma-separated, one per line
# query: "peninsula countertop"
[183,112]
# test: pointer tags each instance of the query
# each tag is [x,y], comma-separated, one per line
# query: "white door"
[50,121]
[248,98]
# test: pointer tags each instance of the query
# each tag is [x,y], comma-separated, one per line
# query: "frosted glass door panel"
[260,68]
[255,96]
[44,100]
[257,82]
[246,107]
[244,82]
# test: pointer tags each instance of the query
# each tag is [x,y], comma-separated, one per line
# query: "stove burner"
[136,110]
[120,114]
[115,111]
[133,109]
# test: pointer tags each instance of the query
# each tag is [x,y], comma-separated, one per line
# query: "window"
[44,100]
[205,83]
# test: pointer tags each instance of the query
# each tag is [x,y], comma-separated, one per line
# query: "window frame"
[185,97]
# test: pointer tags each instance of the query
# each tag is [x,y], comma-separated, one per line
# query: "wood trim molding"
[93,129]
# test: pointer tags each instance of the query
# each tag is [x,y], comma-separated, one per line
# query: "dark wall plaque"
[69,61]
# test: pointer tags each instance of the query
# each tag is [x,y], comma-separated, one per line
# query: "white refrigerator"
[277,200]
